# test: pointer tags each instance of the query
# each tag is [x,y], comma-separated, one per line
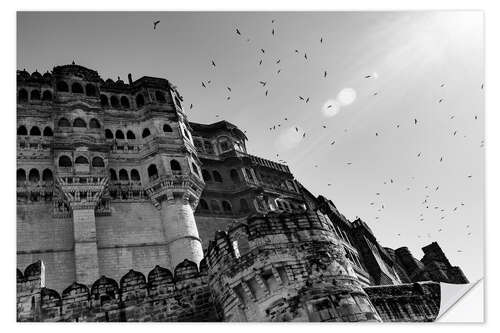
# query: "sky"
[401,100]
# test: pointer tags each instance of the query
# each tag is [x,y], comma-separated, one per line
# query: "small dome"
[36,75]
[23,74]
[47,76]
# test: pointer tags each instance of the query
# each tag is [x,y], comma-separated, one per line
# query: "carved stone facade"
[115,184]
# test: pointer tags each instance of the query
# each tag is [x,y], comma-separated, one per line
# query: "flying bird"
[191,106]
[229,88]
[260,62]
[442,85]
[272,32]
[325,74]
[321,40]
[307,100]
[262,50]
[203,84]
[305,55]
[263,83]
[213,63]
[155,23]
[238,32]
[440,100]
[301,98]
[415,121]
[267,91]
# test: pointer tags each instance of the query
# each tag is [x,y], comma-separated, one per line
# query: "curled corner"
[451,294]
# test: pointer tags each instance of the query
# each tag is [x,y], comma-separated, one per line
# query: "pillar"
[86,260]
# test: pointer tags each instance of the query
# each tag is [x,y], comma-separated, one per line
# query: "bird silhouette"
[272,32]
[440,100]
[229,88]
[238,32]
[305,55]
[191,106]
[278,61]
[307,100]
[321,40]
[325,74]
[301,98]
[415,121]
[262,50]
[203,84]
[267,91]
[213,63]
[155,23]
[263,83]
[260,62]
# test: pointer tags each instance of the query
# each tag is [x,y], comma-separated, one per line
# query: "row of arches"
[124,175]
[223,206]
[79,122]
[124,102]
[130,135]
[34,131]
[65,161]
[216,176]
[34,95]
[34,175]
[77,88]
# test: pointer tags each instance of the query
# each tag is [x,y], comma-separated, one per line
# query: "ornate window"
[115,102]
[22,96]
[152,172]
[112,174]
[108,133]
[206,175]
[234,176]
[81,160]
[65,161]
[35,95]
[130,135]
[34,176]
[226,206]
[104,100]
[47,131]
[94,123]
[119,134]
[217,176]
[90,90]
[47,95]
[79,122]
[47,175]
[175,166]
[21,175]
[244,205]
[62,86]
[139,100]
[124,101]
[160,97]
[22,130]
[77,88]
[146,133]
[203,204]
[35,131]
[98,162]
[134,175]
[63,122]
[123,175]
[167,128]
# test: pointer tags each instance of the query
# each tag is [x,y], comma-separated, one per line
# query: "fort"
[126,211]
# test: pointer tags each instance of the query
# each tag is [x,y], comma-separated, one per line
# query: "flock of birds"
[427,202]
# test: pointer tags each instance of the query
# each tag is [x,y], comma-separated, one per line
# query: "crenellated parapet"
[163,296]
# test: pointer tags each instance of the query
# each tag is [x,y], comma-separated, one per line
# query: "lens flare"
[346,96]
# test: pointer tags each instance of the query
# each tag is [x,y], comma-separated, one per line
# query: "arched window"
[244,205]
[130,135]
[152,172]
[134,175]
[47,175]
[124,101]
[47,131]
[123,174]
[21,175]
[226,206]
[94,123]
[114,101]
[214,205]
[175,167]
[108,134]
[195,169]
[206,175]
[65,161]
[98,162]
[104,100]
[22,96]
[63,122]
[217,176]
[139,100]
[22,130]
[79,122]
[160,97]
[146,133]
[47,95]
[77,88]
[34,176]
[167,128]
[203,205]
[35,95]
[234,176]
[62,86]
[112,174]
[35,131]
[81,160]
[90,90]
[119,134]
